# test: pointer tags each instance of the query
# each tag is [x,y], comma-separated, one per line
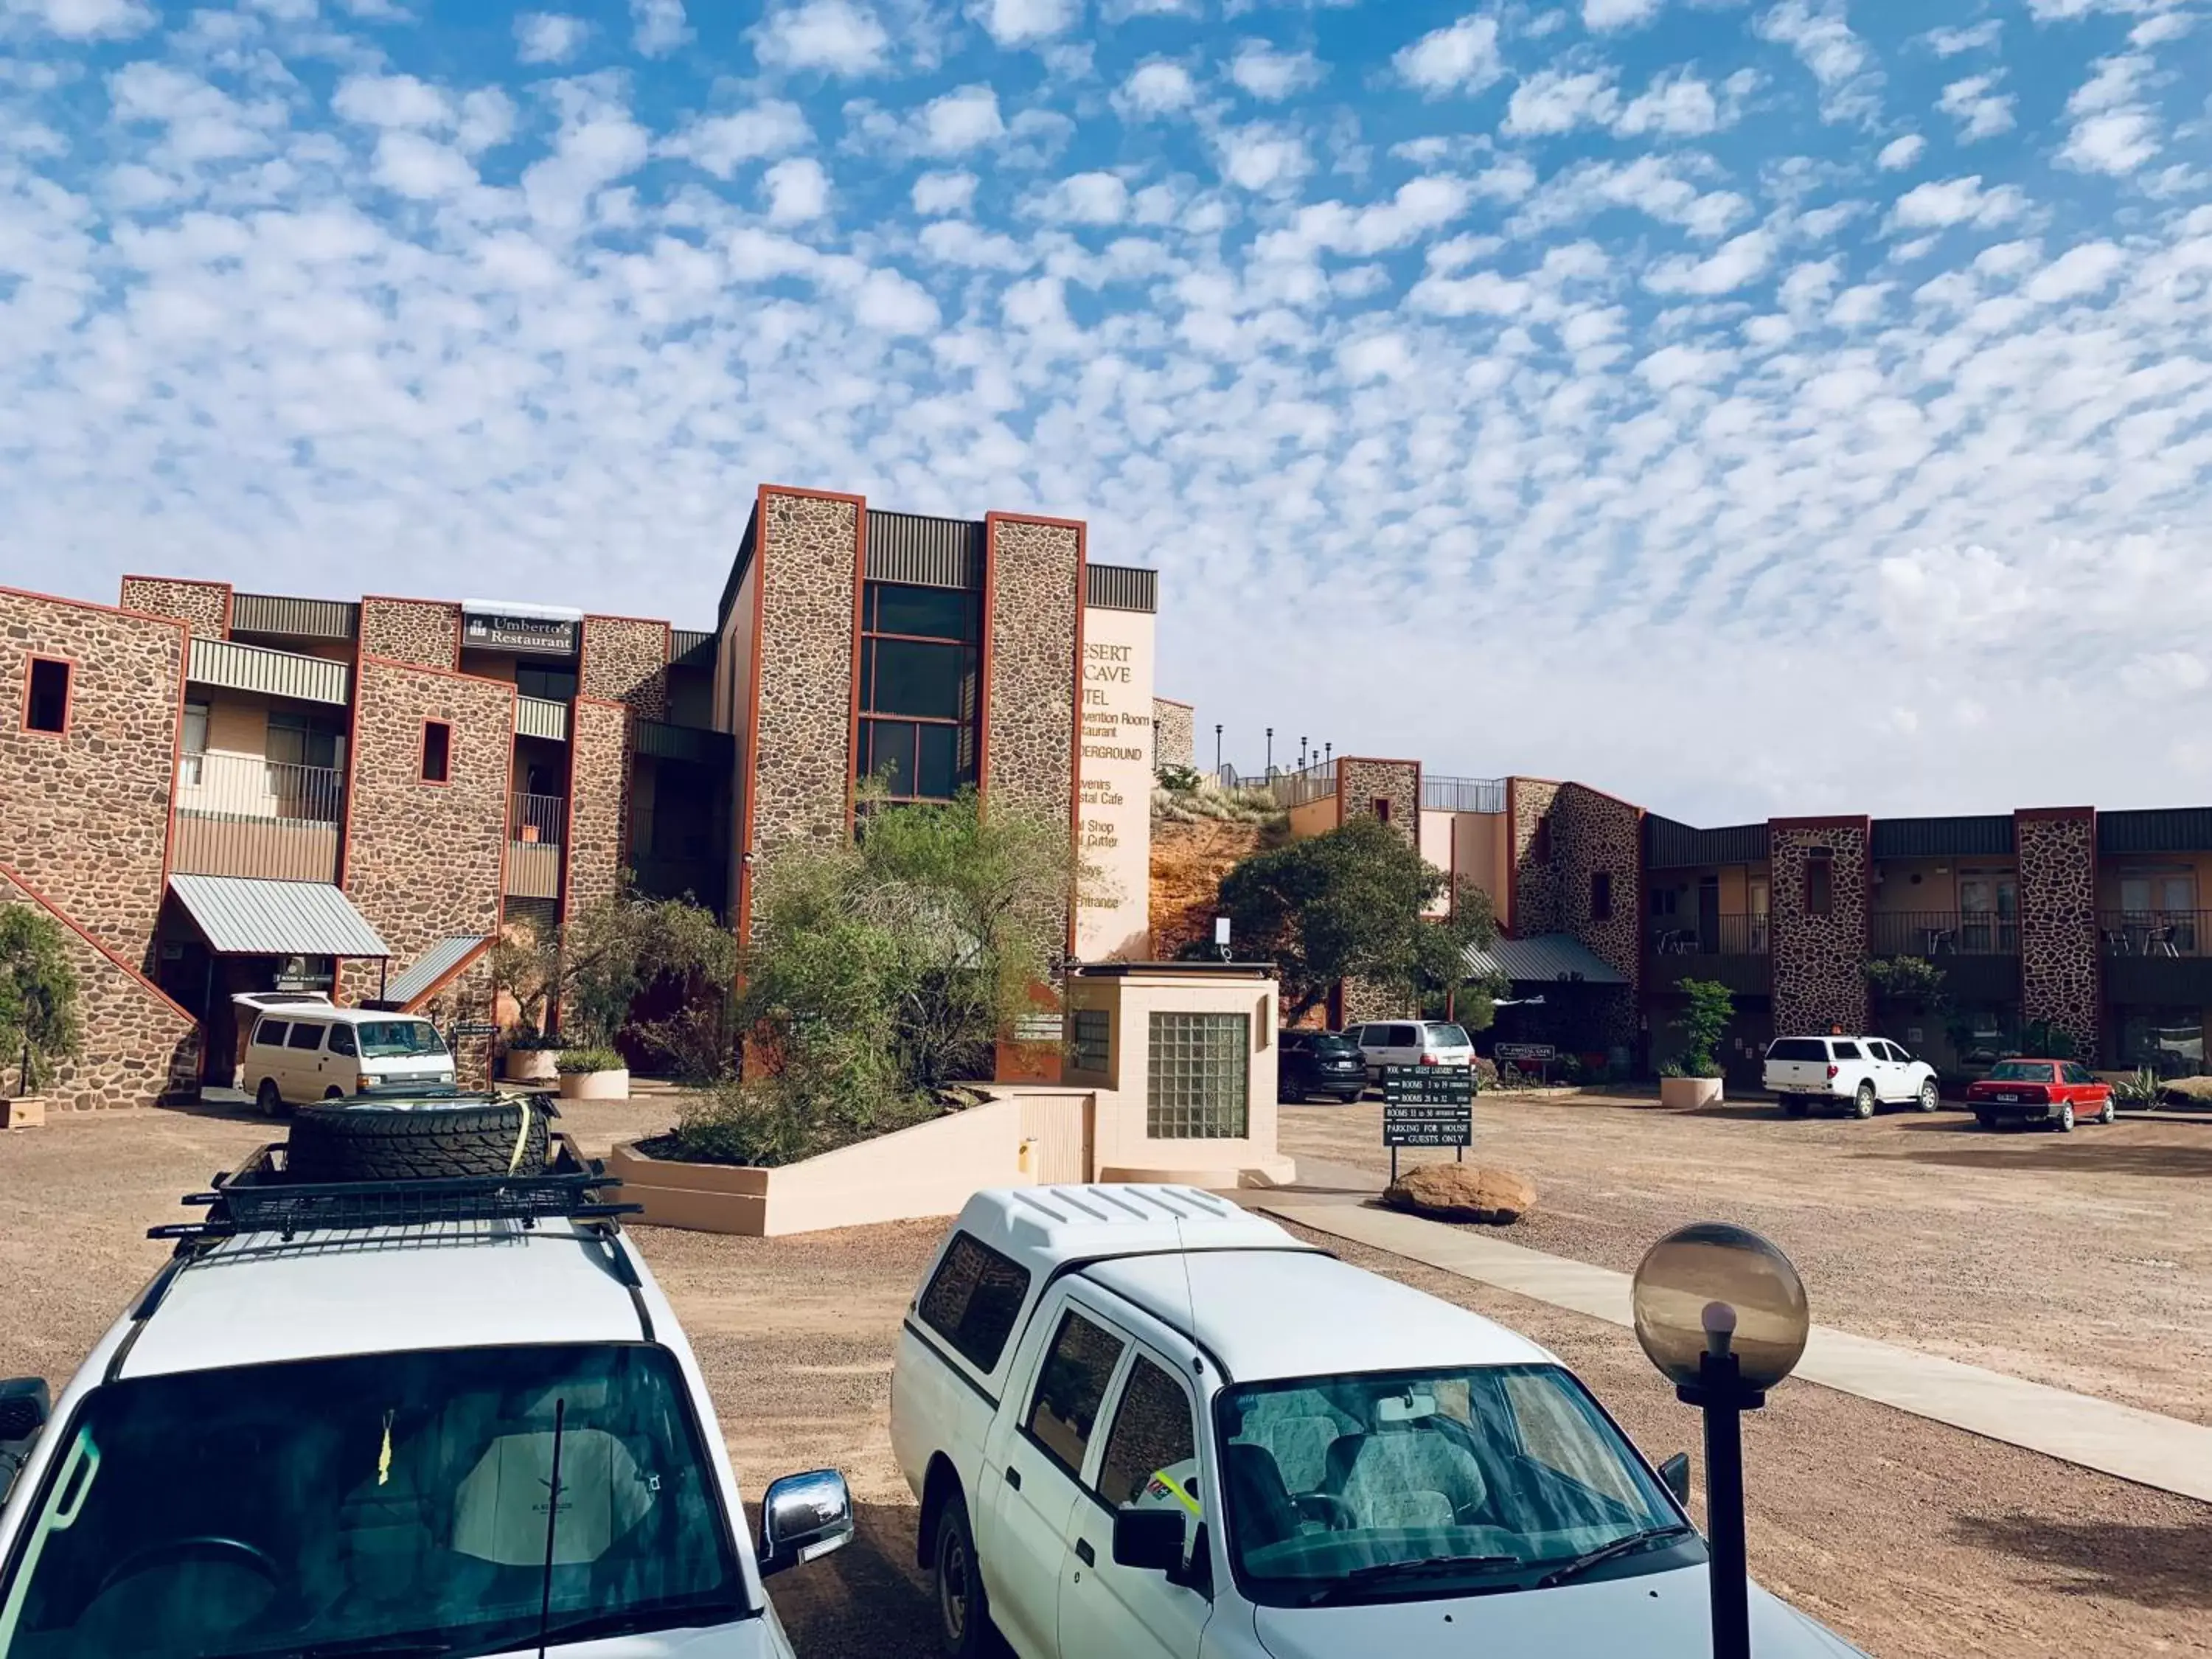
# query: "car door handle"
[1085,1553]
[1013,1477]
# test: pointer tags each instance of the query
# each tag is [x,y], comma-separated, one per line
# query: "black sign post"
[1427,1106]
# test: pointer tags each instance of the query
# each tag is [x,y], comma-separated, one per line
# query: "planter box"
[22,1114]
[931,1170]
[595,1085]
[530,1064]
[1689,1092]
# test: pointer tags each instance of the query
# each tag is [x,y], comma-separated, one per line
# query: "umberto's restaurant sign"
[506,630]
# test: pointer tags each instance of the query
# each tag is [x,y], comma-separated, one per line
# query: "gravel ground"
[1912,1539]
[2081,1260]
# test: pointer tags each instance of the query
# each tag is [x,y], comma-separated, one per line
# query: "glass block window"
[1087,1031]
[1200,1075]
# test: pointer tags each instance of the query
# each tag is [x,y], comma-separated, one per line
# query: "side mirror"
[803,1518]
[1675,1474]
[1148,1540]
[25,1405]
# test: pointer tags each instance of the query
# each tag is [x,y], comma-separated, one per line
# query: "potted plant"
[592,1074]
[529,1057]
[1695,1080]
[39,1025]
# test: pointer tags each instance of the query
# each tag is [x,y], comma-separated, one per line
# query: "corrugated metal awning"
[432,966]
[241,916]
[1546,956]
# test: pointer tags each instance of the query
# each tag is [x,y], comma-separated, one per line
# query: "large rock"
[1463,1192]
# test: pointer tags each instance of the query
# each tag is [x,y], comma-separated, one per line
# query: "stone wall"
[471,997]
[1034,608]
[1597,834]
[424,632]
[1532,883]
[204,607]
[599,793]
[85,816]
[1819,977]
[424,861]
[1175,733]
[1361,782]
[625,660]
[2060,945]
[801,738]
[139,1045]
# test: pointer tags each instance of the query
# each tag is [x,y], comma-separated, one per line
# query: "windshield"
[1325,1044]
[382,1501]
[1327,1476]
[399,1039]
[1448,1036]
[2019,1070]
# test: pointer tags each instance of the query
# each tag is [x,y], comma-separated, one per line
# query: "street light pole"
[1217,749]
[1720,1393]
[1270,749]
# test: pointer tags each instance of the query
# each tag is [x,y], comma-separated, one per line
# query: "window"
[1403,1036]
[972,1299]
[400,1039]
[1601,895]
[305,1037]
[1820,882]
[1382,808]
[46,696]
[437,751]
[918,692]
[1446,1036]
[1152,1433]
[342,1041]
[2022,1070]
[269,1033]
[1090,1030]
[553,684]
[196,741]
[1071,1387]
[1797,1049]
[1665,900]
[2078,1073]
[1200,1077]
[1540,844]
[298,740]
[1847,1051]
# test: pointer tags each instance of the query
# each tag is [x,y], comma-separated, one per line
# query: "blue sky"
[1780,406]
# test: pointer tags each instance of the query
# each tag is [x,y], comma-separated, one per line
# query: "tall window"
[303,740]
[1601,895]
[1820,881]
[1199,1086]
[919,699]
[437,751]
[46,697]
[196,741]
[1540,844]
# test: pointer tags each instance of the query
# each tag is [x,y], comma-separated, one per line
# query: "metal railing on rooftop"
[1443,794]
[1289,788]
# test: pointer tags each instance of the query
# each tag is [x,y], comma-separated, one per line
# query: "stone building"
[218,792]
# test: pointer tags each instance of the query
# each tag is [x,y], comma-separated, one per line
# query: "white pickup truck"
[1142,1423]
[1855,1073]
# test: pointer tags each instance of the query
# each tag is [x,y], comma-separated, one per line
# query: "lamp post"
[1301,754]
[1721,1313]
[1270,749]
[1217,749]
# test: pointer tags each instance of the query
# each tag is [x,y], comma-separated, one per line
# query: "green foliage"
[2047,1039]
[1178,780]
[1348,905]
[575,1062]
[38,1024]
[1913,981]
[1472,1003]
[527,1042]
[610,954]
[1703,1024]
[2139,1090]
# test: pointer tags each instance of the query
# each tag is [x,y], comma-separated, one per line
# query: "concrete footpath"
[2152,1450]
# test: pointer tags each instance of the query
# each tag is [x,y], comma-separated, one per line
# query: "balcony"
[241,815]
[1732,949]
[1936,934]
[2157,955]
[1441,794]
[537,827]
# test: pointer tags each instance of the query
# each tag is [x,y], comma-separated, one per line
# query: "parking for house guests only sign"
[1427,1106]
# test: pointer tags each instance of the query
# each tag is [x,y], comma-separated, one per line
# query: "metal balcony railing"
[1290,789]
[241,815]
[537,820]
[1715,936]
[248,786]
[2156,933]
[1937,934]
[1441,794]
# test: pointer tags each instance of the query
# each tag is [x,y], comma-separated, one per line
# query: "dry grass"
[1189,861]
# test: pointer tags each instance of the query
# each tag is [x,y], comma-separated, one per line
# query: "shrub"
[575,1062]
[1179,780]
[39,1025]
[2186,1091]
[531,1043]
[1210,800]
[1703,1024]
[2139,1091]
[808,1108]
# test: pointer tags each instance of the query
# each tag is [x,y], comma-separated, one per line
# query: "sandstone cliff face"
[1189,861]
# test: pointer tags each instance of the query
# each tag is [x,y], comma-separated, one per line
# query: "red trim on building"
[31,659]
[1075,710]
[176,770]
[93,604]
[2089,812]
[468,959]
[78,928]
[748,759]
[983,662]
[853,714]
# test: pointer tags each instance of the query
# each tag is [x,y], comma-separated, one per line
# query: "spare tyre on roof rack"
[387,1139]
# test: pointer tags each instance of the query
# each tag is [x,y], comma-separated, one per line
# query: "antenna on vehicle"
[552,1523]
[1189,1299]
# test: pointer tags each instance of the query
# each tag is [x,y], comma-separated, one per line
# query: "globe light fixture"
[1721,1313]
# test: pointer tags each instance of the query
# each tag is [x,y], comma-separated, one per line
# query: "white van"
[308,1052]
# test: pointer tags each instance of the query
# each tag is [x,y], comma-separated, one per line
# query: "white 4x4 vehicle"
[1410,1042]
[450,1417]
[1857,1073]
[1146,1425]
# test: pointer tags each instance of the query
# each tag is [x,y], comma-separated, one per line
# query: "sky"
[1749,407]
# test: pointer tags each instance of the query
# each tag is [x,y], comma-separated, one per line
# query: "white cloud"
[893,303]
[943,192]
[1087,199]
[1900,153]
[1816,30]
[1480,293]
[1940,203]
[392,101]
[2077,274]
[721,144]
[1019,22]
[1599,14]
[1679,105]
[1460,56]
[412,165]
[1273,76]
[798,190]
[2112,131]
[86,20]
[1728,269]
[841,37]
[658,26]
[548,37]
[2165,674]
[1556,101]
[1950,42]
[961,120]
[1157,87]
[1377,357]
[1977,107]
[1262,157]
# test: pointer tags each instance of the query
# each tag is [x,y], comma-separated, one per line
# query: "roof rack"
[258,1198]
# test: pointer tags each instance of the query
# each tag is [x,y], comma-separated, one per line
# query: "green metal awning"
[1549,957]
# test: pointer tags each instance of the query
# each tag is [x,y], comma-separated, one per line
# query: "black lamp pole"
[1720,1393]
[1217,747]
[1270,749]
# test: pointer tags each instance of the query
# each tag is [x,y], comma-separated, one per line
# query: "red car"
[2056,1093]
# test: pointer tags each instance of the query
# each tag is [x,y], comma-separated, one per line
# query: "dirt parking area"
[2083,1261]
[1911,1538]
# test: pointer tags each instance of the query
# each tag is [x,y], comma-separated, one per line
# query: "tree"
[1348,905]
[1908,982]
[1703,1023]
[38,1025]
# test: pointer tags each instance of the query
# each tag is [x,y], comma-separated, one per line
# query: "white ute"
[331,1425]
[1144,1423]
[1853,1073]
